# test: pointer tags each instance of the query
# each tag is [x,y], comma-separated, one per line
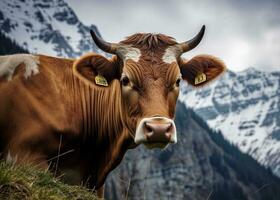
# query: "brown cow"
[81,116]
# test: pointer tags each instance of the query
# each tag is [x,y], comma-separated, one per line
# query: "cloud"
[242,33]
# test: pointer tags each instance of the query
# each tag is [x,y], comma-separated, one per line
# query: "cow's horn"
[103,45]
[190,44]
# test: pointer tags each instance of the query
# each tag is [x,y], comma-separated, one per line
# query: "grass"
[29,183]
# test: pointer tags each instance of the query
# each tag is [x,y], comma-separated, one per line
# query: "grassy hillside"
[26,182]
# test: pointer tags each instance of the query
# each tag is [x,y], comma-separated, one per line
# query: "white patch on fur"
[129,53]
[170,53]
[10,159]
[140,135]
[9,63]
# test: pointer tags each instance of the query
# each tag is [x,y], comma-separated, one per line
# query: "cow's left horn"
[103,45]
[190,44]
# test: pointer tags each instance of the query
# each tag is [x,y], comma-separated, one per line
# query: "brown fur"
[211,66]
[149,41]
[61,109]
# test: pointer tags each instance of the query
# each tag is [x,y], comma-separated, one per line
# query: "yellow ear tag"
[200,78]
[100,80]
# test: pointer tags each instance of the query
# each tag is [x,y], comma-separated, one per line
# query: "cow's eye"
[125,81]
[178,82]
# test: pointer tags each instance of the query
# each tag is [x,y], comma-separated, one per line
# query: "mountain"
[45,27]
[202,165]
[9,47]
[245,107]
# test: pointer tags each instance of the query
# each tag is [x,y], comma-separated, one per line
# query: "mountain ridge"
[245,107]
[47,27]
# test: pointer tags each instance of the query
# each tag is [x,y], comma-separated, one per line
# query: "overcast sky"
[242,33]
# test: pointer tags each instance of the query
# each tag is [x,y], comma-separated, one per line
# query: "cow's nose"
[158,132]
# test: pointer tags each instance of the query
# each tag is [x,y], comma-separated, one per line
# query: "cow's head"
[150,69]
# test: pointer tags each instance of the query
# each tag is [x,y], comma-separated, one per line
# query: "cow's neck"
[104,137]
[100,111]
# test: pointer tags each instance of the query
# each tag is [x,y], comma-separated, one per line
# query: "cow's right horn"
[103,45]
[190,44]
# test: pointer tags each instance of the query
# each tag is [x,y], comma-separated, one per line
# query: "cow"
[78,117]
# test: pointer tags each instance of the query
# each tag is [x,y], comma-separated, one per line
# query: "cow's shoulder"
[10,63]
[29,65]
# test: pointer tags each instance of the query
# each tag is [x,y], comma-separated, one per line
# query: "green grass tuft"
[26,182]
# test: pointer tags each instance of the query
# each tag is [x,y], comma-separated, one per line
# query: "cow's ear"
[201,69]
[92,65]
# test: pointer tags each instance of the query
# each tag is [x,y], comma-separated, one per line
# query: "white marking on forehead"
[128,52]
[170,53]
[9,63]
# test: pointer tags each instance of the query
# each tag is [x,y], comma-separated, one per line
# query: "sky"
[243,33]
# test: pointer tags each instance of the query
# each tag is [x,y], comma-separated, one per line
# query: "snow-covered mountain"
[245,107]
[46,27]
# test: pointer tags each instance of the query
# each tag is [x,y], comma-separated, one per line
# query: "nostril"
[148,127]
[148,130]
[169,128]
[168,135]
